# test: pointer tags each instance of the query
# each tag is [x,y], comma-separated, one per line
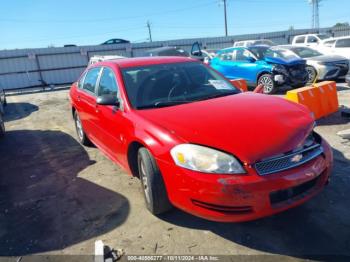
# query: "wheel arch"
[132,152]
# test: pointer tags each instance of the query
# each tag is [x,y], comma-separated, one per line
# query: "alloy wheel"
[311,74]
[144,178]
[267,82]
[79,126]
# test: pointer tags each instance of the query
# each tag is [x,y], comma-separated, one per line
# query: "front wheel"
[311,74]
[269,84]
[152,182]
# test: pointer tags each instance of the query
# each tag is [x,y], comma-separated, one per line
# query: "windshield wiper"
[218,95]
[164,104]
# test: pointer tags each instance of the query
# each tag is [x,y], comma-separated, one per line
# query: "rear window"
[300,39]
[343,43]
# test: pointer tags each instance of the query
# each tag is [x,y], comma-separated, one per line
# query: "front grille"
[292,192]
[298,72]
[288,161]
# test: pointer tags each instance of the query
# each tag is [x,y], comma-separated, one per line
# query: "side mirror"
[108,100]
[251,59]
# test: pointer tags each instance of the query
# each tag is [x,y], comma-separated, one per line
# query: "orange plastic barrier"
[321,98]
[240,83]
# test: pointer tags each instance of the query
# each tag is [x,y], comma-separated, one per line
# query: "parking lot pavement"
[57,197]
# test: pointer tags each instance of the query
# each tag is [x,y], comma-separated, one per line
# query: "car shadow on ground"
[11,111]
[333,119]
[318,229]
[45,204]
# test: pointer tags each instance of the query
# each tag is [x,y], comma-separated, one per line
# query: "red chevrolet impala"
[198,143]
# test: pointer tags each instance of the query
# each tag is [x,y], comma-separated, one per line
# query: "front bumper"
[234,198]
[327,72]
[287,79]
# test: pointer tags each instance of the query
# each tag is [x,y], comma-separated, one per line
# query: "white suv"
[311,40]
[336,46]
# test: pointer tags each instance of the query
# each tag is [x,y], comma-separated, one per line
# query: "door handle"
[78,98]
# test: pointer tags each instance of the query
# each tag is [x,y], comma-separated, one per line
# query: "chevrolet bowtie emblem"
[296,158]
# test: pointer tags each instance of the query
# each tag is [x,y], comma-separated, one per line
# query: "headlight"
[205,159]
[280,69]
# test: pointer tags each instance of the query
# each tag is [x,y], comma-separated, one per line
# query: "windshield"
[305,52]
[258,51]
[280,53]
[171,84]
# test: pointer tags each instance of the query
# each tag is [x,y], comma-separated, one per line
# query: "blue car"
[269,66]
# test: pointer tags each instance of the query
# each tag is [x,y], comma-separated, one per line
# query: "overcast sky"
[40,23]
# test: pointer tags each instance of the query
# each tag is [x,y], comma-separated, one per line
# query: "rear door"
[110,118]
[86,102]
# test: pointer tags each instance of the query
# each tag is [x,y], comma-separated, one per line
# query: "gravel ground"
[57,197]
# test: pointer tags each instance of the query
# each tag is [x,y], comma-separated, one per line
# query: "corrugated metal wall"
[26,68]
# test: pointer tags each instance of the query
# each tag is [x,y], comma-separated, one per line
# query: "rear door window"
[91,79]
[343,43]
[300,40]
[108,83]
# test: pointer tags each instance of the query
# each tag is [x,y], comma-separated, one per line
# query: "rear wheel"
[154,190]
[311,74]
[82,137]
[269,84]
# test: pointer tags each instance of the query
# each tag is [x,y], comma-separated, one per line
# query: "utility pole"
[225,16]
[149,31]
[315,13]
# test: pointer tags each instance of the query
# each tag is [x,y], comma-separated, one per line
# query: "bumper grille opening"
[288,161]
[224,209]
[289,193]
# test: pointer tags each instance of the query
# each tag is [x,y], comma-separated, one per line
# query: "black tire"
[152,183]
[269,84]
[82,137]
[2,127]
[311,74]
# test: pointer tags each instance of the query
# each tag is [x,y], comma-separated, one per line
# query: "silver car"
[324,67]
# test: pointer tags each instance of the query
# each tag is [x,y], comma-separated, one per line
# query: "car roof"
[143,61]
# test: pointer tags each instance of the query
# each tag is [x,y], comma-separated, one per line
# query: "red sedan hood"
[250,126]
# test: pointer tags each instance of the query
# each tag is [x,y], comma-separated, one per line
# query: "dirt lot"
[57,197]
